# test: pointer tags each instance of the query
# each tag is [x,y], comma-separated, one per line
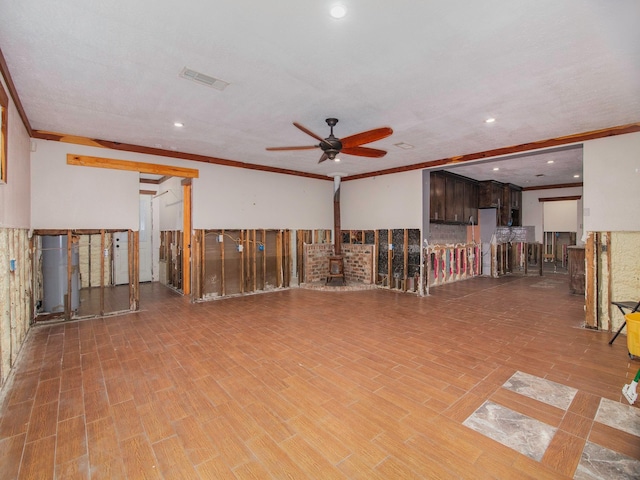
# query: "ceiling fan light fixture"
[338,11]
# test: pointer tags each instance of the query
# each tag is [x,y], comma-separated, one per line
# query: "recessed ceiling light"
[336,159]
[338,11]
[490,120]
[495,169]
[178,124]
[549,161]
[576,176]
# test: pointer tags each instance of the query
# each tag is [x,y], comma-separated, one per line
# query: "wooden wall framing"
[133,261]
[16,295]
[237,262]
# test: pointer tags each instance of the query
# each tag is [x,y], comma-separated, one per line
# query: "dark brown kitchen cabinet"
[454,204]
[453,198]
[471,202]
[515,202]
[490,194]
[437,197]
[505,198]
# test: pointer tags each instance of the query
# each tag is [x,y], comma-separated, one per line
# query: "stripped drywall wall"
[15,296]
[625,273]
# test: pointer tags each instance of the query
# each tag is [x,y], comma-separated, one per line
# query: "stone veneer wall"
[358,262]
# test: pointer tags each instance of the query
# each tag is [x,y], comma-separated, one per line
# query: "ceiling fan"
[351,145]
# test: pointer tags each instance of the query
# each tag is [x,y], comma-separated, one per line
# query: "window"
[4,127]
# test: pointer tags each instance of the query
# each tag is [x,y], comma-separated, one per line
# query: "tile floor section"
[307,384]
[532,437]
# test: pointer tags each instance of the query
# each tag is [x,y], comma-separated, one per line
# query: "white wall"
[532,209]
[69,196]
[611,169]
[170,204]
[15,194]
[225,197]
[388,201]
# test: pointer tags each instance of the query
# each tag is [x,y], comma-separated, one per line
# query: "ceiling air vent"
[203,79]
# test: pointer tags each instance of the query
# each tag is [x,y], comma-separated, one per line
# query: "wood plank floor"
[310,384]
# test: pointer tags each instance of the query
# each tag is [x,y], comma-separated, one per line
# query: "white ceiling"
[433,71]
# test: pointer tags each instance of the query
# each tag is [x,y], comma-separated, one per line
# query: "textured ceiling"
[433,71]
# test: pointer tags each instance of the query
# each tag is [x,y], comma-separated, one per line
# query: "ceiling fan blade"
[364,152]
[365,137]
[323,158]
[308,132]
[310,147]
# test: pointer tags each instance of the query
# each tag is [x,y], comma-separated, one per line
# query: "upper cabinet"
[505,198]
[456,199]
[453,198]
[437,197]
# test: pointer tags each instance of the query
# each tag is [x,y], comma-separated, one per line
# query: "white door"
[121,258]
[146,250]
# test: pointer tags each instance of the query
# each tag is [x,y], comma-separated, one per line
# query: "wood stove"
[336,268]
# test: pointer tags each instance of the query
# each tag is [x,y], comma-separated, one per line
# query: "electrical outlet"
[240,248]
[390,246]
[220,238]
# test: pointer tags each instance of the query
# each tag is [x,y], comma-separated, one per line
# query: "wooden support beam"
[300,255]
[390,258]
[376,253]
[134,282]
[103,248]
[264,259]
[254,259]
[559,199]
[186,240]
[114,164]
[604,298]
[242,267]
[222,279]
[197,264]
[591,282]
[150,181]
[279,259]
[289,256]
[405,280]
[68,298]
[550,187]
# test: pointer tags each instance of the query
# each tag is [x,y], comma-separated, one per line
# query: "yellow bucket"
[633,333]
